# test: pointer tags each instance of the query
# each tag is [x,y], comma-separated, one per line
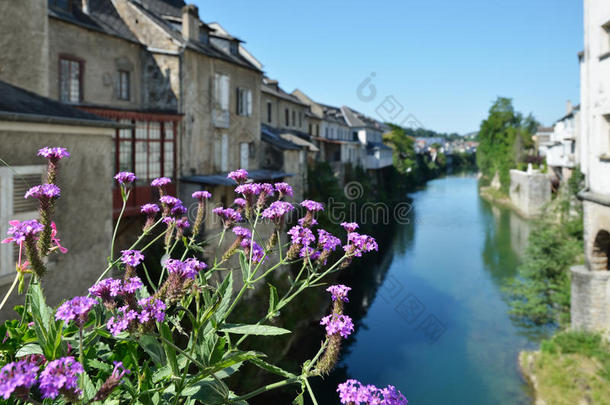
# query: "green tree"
[504,137]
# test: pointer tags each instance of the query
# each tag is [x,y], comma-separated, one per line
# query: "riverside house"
[590,296]
[338,144]
[562,154]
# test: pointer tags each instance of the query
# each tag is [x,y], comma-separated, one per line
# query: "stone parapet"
[590,306]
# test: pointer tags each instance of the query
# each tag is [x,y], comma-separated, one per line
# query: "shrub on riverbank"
[570,368]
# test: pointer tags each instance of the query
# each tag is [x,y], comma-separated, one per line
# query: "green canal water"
[431,316]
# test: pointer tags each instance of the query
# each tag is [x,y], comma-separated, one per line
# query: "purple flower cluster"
[125,177]
[229,215]
[17,375]
[110,288]
[339,292]
[131,285]
[249,189]
[301,236]
[111,382]
[335,323]
[54,154]
[61,375]
[149,209]
[185,269]
[151,309]
[309,252]
[170,201]
[43,191]
[358,244]
[353,392]
[312,206]
[349,226]
[258,254]
[239,175]
[131,257]
[327,241]
[201,195]
[284,189]
[277,210]
[122,320]
[75,309]
[161,182]
[240,202]
[242,232]
[19,231]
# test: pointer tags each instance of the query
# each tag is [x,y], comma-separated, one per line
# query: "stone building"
[83,217]
[370,134]
[591,282]
[562,148]
[339,145]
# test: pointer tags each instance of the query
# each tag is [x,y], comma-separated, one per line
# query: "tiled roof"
[357,119]
[156,9]
[269,135]
[220,179]
[102,17]
[18,104]
[272,87]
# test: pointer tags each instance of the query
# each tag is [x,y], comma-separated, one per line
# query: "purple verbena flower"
[19,231]
[301,236]
[327,241]
[160,182]
[178,210]
[132,285]
[201,195]
[353,392]
[43,191]
[277,210]
[17,375]
[240,202]
[61,376]
[54,154]
[349,226]
[182,223]
[239,175]
[312,206]
[284,189]
[307,222]
[335,323]
[339,292]
[229,215]
[309,252]
[249,189]
[125,177]
[151,309]
[258,254]
[111,382]
[242,232]
[131,257]
[358,244]
[185,269]
[122,320]
[170,201]
[107,288]
[149,209]
[75,309]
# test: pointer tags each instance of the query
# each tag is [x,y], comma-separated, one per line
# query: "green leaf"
[225,292]
[170,351]
[28,349]
[208,392]
[87,386]
[161,374]
[271,368]
[245,269]
[273,299]
[237,357]
[227,372]
[154,350]
[261,330]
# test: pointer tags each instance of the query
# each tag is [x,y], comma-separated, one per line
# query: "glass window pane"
[142,161]
[125,133]
[141,130]
[74,81]
[154,160]
[125,156]
[169,130]
[168,156]
[64,80]
[154,130]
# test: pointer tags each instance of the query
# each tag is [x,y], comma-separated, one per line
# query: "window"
[317,129]
[70,80]
[244,155]
[244,102]
[147,150]
[294,118]
[269,112]
[124,83]
[287,116]
[14,182]
[309,131]
[221,146]
[221,100]
[301,119]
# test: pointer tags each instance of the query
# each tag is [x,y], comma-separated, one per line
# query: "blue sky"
[443,61]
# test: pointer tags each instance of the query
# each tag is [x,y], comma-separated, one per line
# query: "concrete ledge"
[590,300]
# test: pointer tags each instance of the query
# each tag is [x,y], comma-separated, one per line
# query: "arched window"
[601,251]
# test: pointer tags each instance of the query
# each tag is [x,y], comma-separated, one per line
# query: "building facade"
[370,134]
[562,148]
[591,282]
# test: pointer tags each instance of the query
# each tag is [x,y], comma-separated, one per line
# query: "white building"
[369,133]
[591,282]
[562,154]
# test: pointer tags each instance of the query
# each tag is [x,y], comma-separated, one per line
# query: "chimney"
[85,7]
[190,22]
[569,107]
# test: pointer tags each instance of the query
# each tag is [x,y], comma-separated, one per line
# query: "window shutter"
[249,102]
[14,182]
[238,102]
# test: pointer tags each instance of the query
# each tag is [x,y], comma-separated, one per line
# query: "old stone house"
[338,144]
[591,282]
[83,217]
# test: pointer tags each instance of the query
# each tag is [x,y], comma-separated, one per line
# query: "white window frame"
[221,100]
[8,175]
[244,155]
[224,153]
[244,102]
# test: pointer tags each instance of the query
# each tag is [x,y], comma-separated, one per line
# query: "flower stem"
[118,222]
[10,291]
[267,388]
[313,397]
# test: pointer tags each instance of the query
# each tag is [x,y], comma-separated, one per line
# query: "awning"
[299,141]
[220,179]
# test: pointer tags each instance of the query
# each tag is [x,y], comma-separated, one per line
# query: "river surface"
[431,314]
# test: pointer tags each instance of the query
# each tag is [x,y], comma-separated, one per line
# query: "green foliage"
[503,137]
